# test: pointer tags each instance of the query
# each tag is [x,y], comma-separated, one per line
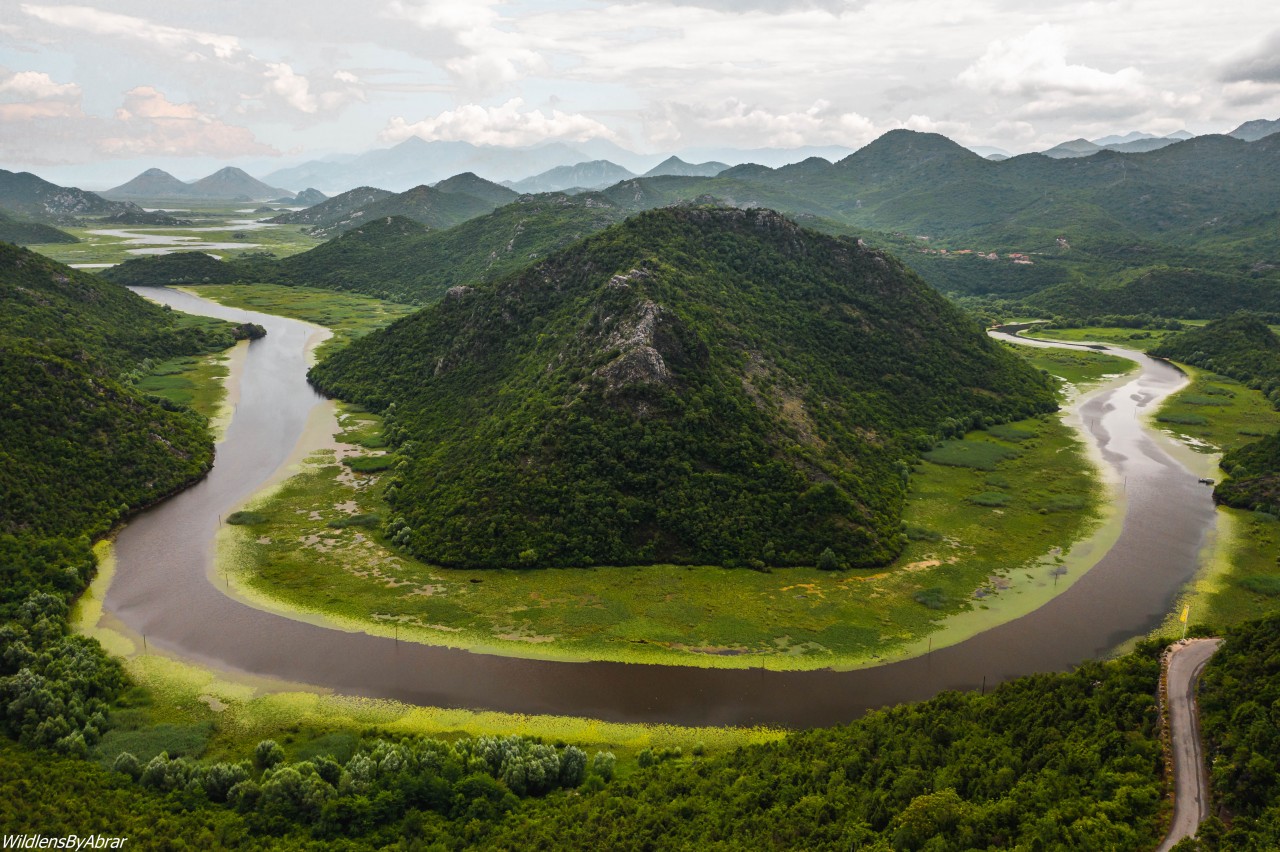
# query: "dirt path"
[1185,662]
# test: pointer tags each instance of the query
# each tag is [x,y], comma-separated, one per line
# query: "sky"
[106,88]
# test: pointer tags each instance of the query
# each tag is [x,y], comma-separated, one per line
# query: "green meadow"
[991,521]
[347,315]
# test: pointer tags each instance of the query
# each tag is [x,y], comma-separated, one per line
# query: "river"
[162,588]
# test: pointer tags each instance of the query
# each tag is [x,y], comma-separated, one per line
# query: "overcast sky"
[268,82]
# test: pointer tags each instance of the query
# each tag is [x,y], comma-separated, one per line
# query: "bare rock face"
[640,365]
[639,341]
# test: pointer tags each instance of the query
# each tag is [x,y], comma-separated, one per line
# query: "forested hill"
[693,385]
[1244,348]
[77,315]
[1240,346]
[401,260]
[79,450]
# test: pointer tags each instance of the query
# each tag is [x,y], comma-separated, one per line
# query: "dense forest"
[179,267]
[1238,697]
[79,451]
[1068,761]
[695,385]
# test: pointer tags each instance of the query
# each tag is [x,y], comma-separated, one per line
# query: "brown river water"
[162,588]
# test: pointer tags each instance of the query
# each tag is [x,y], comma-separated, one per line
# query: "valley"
[828,503]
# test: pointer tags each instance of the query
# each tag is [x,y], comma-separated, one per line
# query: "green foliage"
[179,267]
[1050,762]
[1244,348]
[693,386]
[977,455]
[28,233]
[1242,743]
[247,519]
[400,260]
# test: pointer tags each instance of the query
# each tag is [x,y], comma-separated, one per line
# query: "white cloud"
[218,61]
[509,124]
[31,95]
[756,125]
[147,123]
[469,43]
[189,44]
[1035,65]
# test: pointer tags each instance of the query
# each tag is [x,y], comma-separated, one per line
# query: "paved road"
[1191,781]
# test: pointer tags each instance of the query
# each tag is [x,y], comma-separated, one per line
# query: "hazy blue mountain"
[592,175]
[151,184]
[233,184]
[673,165]
[1252,131]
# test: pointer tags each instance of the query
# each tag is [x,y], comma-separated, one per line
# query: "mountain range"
[226,184]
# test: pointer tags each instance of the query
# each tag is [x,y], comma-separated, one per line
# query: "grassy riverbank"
[991,521]
[347,315]
[1241,575]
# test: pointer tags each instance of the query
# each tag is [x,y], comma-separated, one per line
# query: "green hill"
[469,183]
[31,233]
[1240,346]
[694,385]
[333,210]
[76,315]
[1186,293]
[179,267]
[422,204]
[401,260]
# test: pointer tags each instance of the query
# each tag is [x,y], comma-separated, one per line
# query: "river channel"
[162,587]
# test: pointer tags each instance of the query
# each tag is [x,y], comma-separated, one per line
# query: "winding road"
[164,590]
[1185,662]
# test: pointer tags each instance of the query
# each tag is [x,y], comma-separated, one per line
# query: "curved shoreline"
[161,589]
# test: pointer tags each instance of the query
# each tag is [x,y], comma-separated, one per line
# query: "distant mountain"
[309,197]
[771,157]
[673,165]
[726,360]
[592,175]
[995,158]
[416,161]
[1074,148]
[1252,131]
[431,207]
[29,197]
[1180,135]
[232,184]
[1138,146]
[23,233]
[469,183]
[987,151]
[399,259]
[151,184]
[1131,136]
[335,209]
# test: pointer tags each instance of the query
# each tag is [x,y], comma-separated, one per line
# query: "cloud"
[31,95]
[509,124]
[1258,66]
[149,124]
[217,61]
[821,124]
[1035,65]
[189,44]
[467,41]
[775,7]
